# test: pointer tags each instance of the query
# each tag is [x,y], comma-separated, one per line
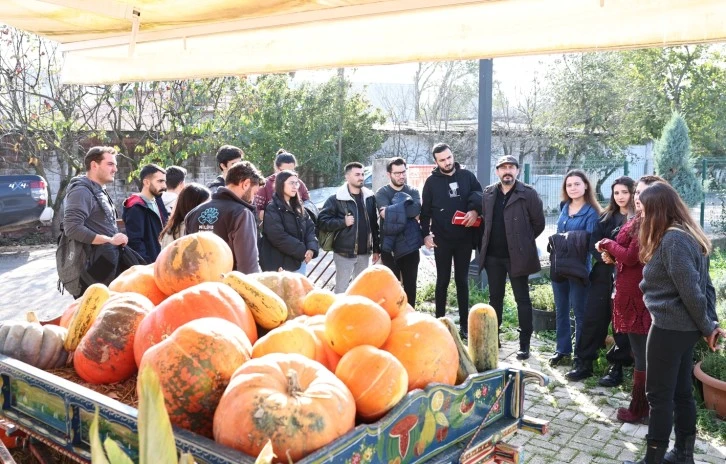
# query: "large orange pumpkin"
[291,337]
[191,260]
[380,285]
[287,398]
[290,286]
[209,299]
[194,366]
[376,379]
[355,320]
[65,319]
[324,354]
[106,353]
[317,302]
[425,348]
[139,279]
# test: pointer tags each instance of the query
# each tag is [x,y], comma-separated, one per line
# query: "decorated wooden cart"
[466,423]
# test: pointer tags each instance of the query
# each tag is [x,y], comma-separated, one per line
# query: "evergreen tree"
[673,160]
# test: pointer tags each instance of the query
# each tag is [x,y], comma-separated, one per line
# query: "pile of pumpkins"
[244,359]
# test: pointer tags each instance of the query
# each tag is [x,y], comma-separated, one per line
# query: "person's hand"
[382,213]
[349,220]
[308,256]
[470,217]
[375,257]
[429,241]
[607,258]
[712,340]
[597,246]
[119,240]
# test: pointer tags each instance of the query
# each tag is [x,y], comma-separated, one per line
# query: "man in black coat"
[449,189]
[145,215]
[513,219]
[351,214]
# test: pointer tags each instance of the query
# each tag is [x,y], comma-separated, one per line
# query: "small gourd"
[38,345]
[483,337]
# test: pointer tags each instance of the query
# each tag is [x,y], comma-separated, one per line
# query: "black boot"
[682,452]
[582,371]
[614,377]
[653,454]
[524,340]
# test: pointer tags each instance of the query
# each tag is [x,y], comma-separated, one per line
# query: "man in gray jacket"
[513,218]
[89,215]
[230,215]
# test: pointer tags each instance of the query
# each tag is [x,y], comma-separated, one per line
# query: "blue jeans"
[570,294]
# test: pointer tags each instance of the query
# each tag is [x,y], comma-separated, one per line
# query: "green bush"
[542,297]
[714,365]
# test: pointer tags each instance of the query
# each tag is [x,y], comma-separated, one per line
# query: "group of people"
[641,263]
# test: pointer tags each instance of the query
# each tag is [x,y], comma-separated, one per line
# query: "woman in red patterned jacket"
[629,312]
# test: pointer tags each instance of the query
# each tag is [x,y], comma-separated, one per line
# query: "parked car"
[319,195]
[23,202]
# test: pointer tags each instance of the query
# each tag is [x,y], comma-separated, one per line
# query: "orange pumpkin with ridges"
[290,337]
[139,279]
[191,260]
[380,285]
[376,379]
[106,353]
[317,302]
[324,354]
[356,320]
[291,400]
[425,348]
[194,366]
[209,299]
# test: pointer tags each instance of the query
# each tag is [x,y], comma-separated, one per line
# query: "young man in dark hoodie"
[231,215]
[89,215]
[227,156]
[451,188]
[145,214]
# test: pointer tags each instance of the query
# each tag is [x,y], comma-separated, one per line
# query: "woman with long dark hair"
[191,196]
[630,317]
[682,303]
[579,212]
[598,310]
[289,240]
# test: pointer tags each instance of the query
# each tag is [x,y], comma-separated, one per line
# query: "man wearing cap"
[513,218]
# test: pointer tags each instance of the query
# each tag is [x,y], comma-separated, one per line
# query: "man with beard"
[144,213]
[449,189]
[231,215]
[351,214]
[400,237]
[513,218]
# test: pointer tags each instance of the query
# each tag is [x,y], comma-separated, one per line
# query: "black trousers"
[406,269]
[444,253]
[668,384]
[497,271]
[598,315]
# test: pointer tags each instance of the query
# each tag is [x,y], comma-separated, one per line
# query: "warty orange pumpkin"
[106,353]
[425,348]
[376,379]
[291,400]
[290,286]
[324,354]
[191,260]
[317,302]
[209,299]
[380,285]
[194,366]
[356,320]
[139,279]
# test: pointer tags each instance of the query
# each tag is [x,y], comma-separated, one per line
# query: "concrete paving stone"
[587,431]
[564,425]
[542,443]
[583,457]
[583,444]
[580,418]
[605,460]
[537,460]
[567,454]
[566,414]
[706,459]
[519,438]
[628,455]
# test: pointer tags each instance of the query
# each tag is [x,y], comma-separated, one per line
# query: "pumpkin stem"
[32,317]
[293,385]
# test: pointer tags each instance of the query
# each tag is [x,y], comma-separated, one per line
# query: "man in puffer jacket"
[399,206]
[351,215]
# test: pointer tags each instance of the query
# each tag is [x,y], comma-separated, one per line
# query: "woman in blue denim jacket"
[580,211]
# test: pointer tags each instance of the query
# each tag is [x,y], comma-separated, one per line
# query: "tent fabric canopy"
[108,41]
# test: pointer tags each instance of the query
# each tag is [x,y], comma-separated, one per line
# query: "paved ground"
[583,427]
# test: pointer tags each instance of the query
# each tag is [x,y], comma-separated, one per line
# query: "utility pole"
[341,107]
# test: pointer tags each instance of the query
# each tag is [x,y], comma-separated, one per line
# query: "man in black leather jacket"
[351,214]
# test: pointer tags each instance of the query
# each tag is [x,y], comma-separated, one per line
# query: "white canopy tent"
[106,41]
